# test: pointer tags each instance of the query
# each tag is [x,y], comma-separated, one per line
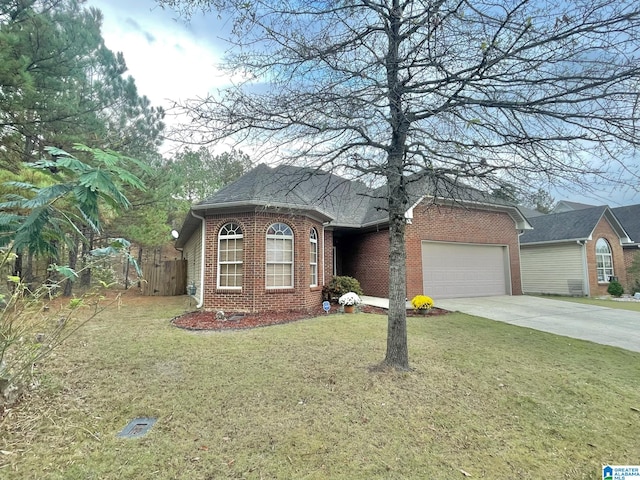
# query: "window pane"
[313,257]
[314,275]
[279,275]
[602,246]
[274,256]
[230,256]
[279,256]
[236,279]
[280,229]
[287,253]
[604,260]
[235,250]
[231,275]
[276,250]
[224,275]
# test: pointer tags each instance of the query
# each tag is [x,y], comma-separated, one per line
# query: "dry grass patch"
[299,401]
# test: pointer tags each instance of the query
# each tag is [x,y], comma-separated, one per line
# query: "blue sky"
[172,59]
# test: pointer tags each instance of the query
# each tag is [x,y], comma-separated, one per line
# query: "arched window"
[604,260]
[230,256]
[313,257]
[279,273]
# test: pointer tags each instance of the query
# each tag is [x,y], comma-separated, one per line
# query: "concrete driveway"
[608,326]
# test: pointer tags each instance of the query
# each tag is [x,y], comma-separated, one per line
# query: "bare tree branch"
[520,91]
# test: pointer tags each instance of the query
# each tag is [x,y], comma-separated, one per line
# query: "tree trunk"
[28,269]
[397,355]
[126,273]
[28,146]
[17,265]
[52,275]
[139,264]
[73,261]
[85,276]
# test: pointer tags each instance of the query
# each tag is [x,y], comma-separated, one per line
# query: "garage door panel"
[461,270]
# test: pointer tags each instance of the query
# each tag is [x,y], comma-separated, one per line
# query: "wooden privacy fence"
[167,278]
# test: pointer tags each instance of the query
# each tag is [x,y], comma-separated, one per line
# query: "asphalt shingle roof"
[629,217]
[297,188]
[347,203]
[572,225]
[530,212]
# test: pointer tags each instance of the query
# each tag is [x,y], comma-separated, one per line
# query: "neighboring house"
[274,237]
[567,206]
[530,212]
[629,217]
[575,252]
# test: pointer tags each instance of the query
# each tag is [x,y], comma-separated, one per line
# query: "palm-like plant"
[66,197]
[39,217]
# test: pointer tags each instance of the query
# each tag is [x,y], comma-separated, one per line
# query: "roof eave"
[617,227]
[520,220]
[230,207]
[562,240]
[189,225]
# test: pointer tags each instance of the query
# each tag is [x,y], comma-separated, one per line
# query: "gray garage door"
[461,270]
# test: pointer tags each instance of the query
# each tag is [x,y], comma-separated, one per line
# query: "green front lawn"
[633,306]
[300,401]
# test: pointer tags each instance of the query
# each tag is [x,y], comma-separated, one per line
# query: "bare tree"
[493,92]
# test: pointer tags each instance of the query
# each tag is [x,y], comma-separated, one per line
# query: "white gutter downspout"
[202,258]
[324,226]
[585,268]
[520,233]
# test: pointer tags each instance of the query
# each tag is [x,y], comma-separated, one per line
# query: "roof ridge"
[578,211]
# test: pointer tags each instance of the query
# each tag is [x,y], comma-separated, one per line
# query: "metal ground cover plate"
[137,427]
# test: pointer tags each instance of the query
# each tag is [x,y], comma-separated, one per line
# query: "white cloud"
[167,58]
[170,59]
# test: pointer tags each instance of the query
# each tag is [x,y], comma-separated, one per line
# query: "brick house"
[629,217]
[576,251]
[273,238]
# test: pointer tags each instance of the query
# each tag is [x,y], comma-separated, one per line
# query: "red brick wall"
[370,256]
[254,296]
[629,280]
[366,258]
[463,225]
[604,230]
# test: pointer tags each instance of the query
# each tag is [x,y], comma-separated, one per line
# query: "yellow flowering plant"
[422,302]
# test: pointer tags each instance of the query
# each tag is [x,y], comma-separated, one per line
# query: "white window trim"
[291,263]
[314,245]
[220,262]
[604,269]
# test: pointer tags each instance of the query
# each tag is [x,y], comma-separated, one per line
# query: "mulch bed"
[206,320]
